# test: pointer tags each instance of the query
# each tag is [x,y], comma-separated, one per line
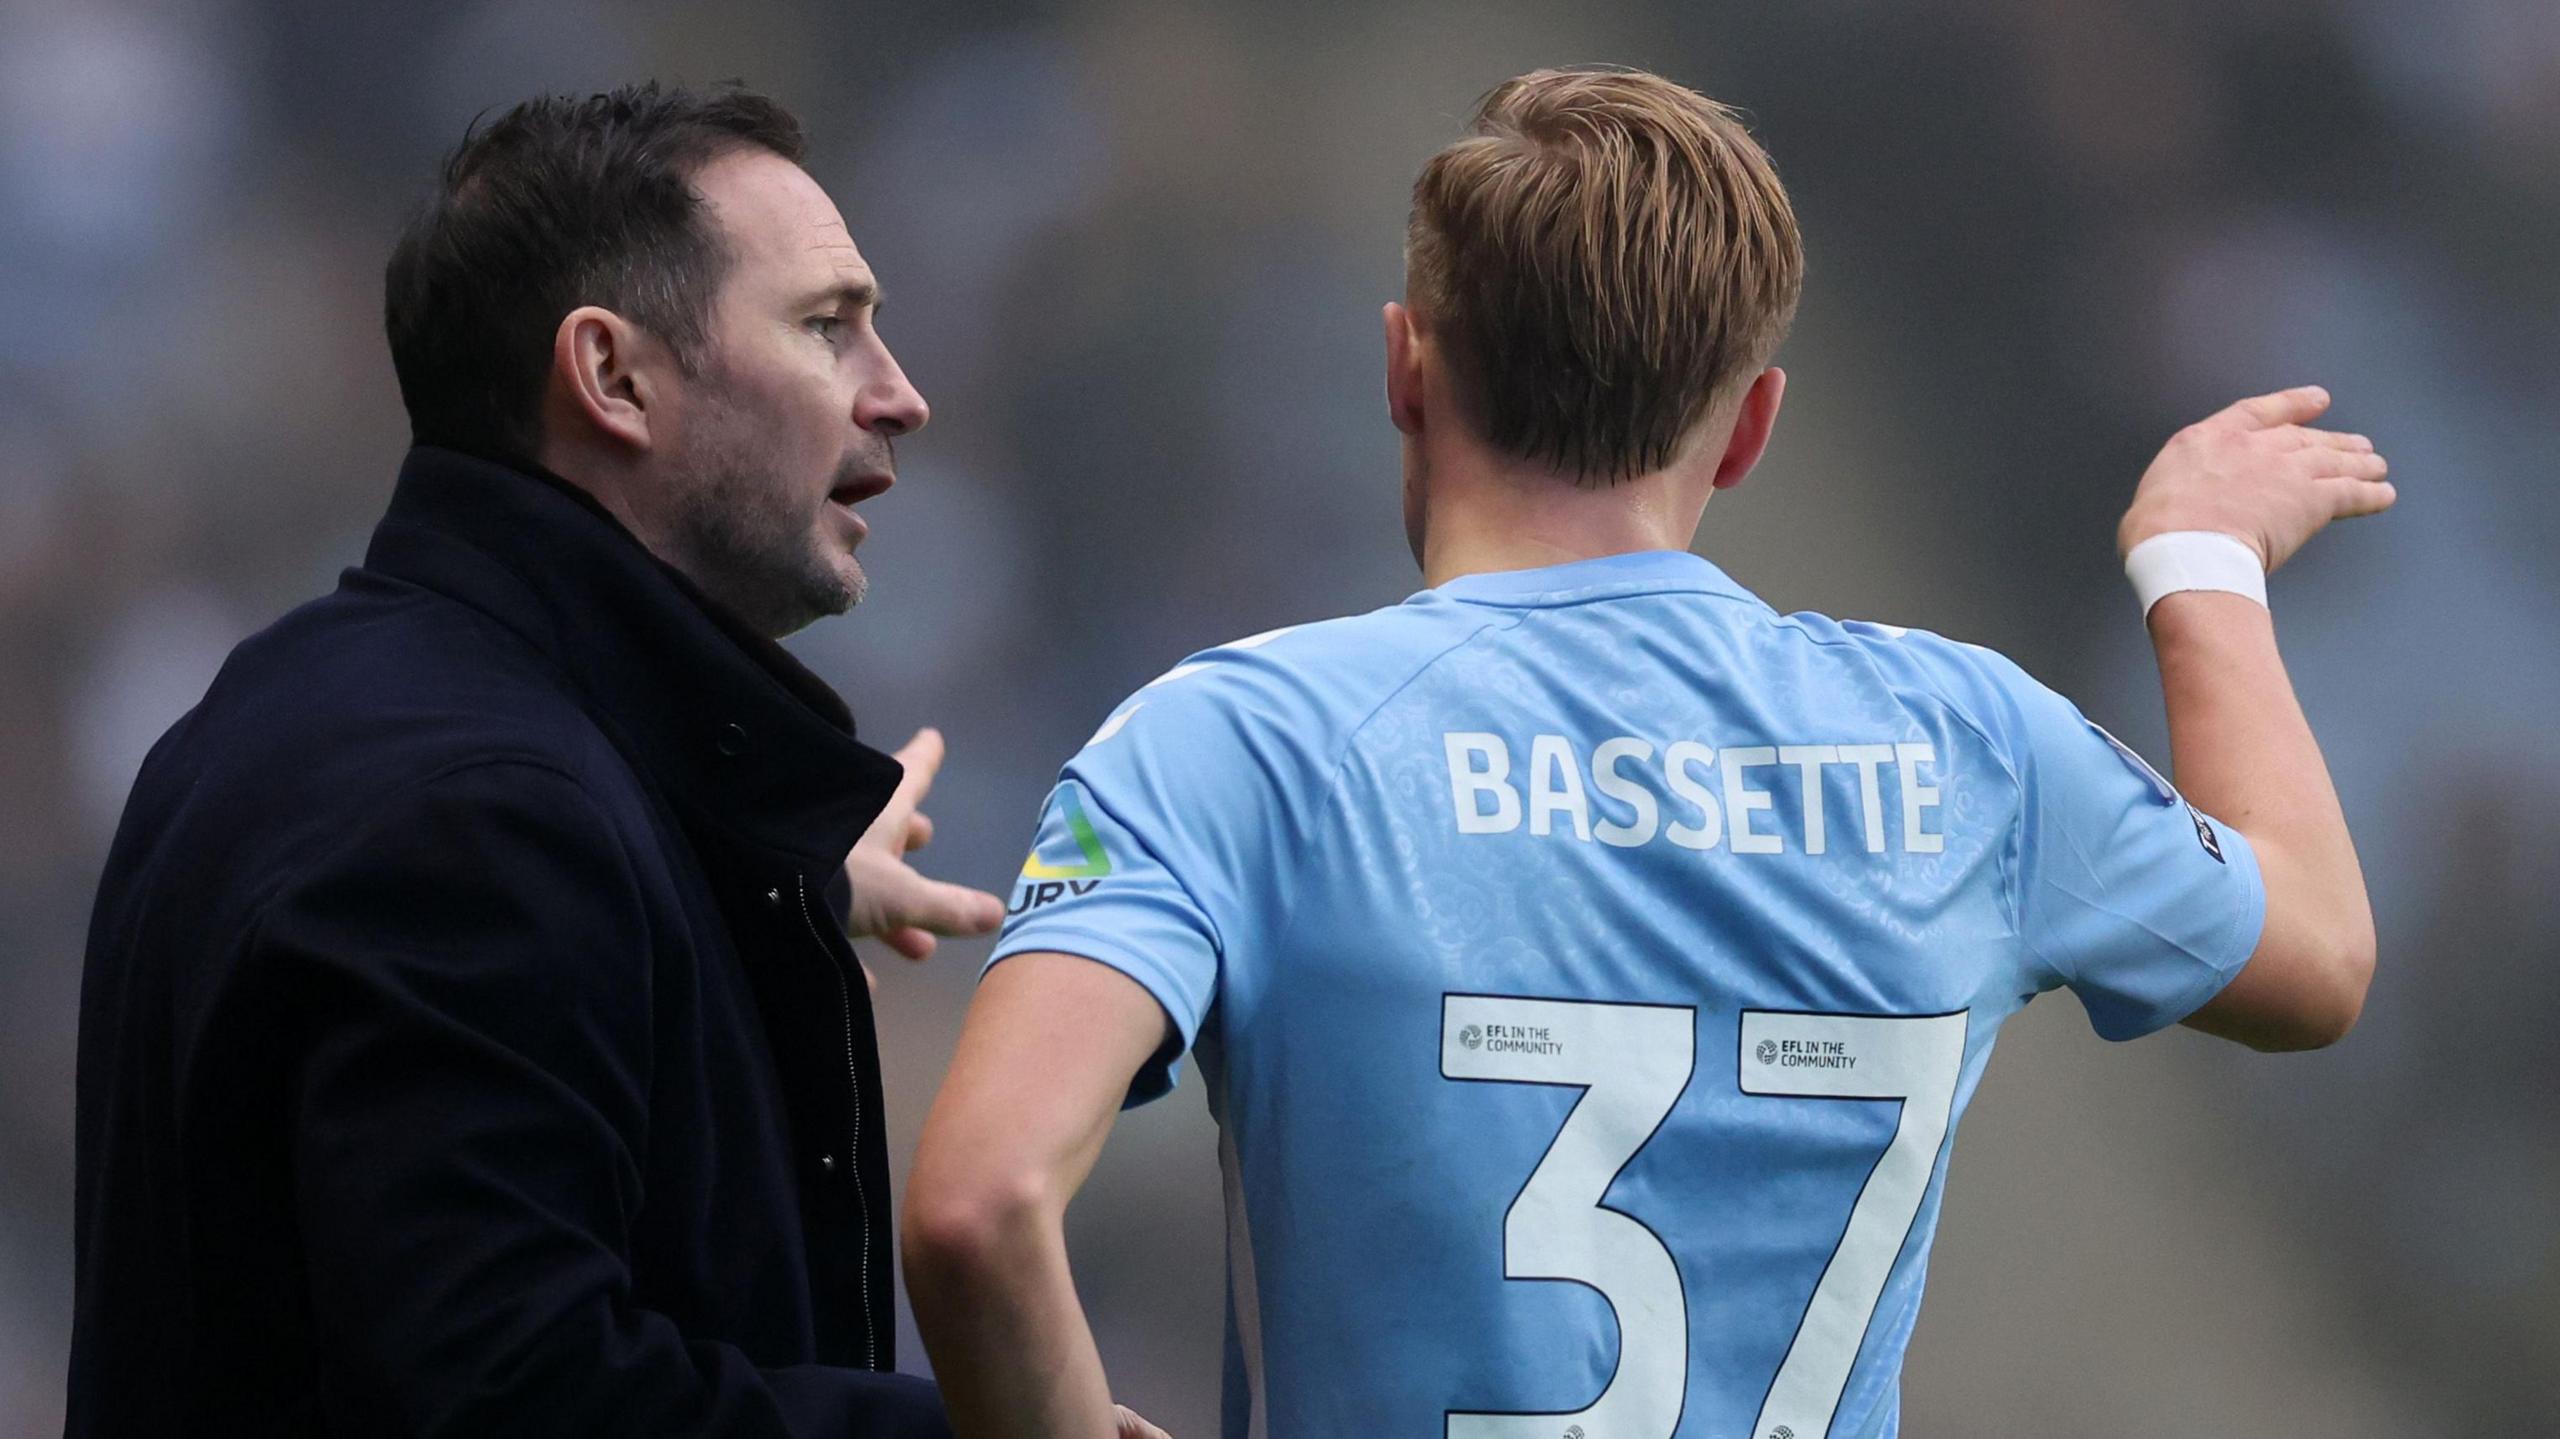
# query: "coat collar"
[741,736]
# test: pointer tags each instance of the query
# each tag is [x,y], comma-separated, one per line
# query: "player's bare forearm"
[2240,745]
[2244,752]
[1008,1338]
[1048,1052]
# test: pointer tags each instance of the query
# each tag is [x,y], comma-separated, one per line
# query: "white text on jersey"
[1692,794]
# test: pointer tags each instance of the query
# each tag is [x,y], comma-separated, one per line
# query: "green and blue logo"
[1044,882]
[1096,860]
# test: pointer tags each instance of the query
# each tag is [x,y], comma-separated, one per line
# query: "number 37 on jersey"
[1633,1062]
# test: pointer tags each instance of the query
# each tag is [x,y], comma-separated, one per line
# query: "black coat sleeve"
[471,979]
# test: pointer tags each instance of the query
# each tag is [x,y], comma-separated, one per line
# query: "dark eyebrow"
[858,294]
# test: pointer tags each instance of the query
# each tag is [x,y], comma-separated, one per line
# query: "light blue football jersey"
[1588,967]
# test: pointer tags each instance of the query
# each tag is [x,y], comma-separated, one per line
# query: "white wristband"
[2194,560]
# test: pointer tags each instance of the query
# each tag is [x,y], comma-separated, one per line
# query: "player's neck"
[1494,519]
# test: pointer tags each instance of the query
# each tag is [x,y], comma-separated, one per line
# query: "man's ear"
[1751,427]
[601,361]
[1404,369]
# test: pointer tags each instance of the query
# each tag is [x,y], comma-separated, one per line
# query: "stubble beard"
[750,534]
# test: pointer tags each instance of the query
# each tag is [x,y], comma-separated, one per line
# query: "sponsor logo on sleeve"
[1093,860]
[1046,882]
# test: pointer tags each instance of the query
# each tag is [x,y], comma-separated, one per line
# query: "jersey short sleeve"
[1150,846]
[2145,906]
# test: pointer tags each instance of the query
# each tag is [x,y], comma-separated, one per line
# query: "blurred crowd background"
[1137,251]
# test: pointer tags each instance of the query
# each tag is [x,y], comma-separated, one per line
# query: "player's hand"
[2256,472]
[1133,1427]
[891,901]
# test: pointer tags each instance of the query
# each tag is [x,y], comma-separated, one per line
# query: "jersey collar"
[1609,576]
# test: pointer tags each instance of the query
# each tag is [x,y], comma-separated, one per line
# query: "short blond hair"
[1599,259]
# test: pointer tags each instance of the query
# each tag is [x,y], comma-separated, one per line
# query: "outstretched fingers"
[2352,478]
[922,759]
[911,943]
[2296,406]
[2321,462]
[2349,498]
[951,909]
[2301,437]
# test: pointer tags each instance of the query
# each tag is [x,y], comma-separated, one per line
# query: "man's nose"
[890,405]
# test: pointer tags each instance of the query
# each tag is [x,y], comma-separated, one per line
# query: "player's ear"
[600,360]
[1752,424]
[1404,370]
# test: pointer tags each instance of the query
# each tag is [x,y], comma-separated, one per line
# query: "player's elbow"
[962,1224]
[2305,986]
[2336,972]
[2351,957]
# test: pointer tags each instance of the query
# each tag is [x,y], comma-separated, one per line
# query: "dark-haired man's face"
[787,424]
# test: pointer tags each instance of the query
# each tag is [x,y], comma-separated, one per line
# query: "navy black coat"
[469,1043]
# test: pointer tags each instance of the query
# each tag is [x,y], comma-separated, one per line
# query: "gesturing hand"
[2254,472]
[891,901]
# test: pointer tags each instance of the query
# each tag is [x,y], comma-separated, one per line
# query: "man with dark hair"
[470,1043]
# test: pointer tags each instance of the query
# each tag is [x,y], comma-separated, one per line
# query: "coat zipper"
[853,1156]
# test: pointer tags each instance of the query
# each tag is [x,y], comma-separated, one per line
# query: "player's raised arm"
[2258,475]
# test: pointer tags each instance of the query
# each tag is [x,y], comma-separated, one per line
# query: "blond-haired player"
[1590,966]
